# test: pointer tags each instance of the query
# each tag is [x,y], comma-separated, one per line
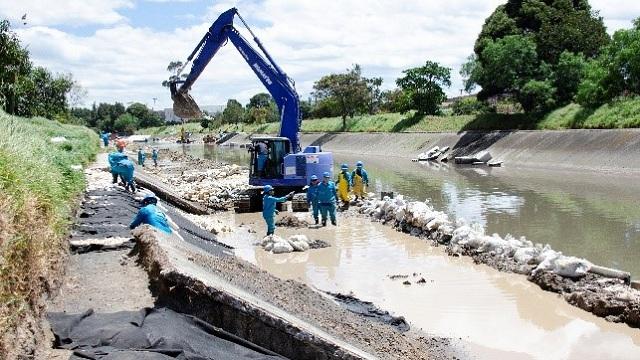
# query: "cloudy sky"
[118,50]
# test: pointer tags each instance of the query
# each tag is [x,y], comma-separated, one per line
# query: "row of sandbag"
[420,219]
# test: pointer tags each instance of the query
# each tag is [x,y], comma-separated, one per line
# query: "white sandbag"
[282,247]
[299,238]
[483,156]
[525,255]
[570,266]
[300,246]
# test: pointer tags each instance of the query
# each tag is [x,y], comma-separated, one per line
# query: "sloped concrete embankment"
[611,150]
[286,317]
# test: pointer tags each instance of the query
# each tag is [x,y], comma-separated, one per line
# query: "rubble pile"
[299,243]
[292,221]
[580,282]
[214,184]
[215,187]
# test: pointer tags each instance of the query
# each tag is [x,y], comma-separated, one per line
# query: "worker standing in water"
[326,198]
[269,207]
[150,214]
[359,181]
[344,184]
[141,157]
[154,156]
[312,197]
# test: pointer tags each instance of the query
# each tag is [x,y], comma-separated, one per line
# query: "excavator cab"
[267,158]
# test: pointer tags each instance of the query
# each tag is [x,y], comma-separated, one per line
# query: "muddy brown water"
[497,315]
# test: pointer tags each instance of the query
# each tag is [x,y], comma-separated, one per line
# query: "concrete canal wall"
[596,150]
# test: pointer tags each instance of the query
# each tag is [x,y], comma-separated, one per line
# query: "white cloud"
[307,38]
[65,12]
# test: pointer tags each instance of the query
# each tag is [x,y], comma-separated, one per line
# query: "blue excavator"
[275,160]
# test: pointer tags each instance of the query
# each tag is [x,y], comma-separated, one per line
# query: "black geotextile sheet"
[148,334]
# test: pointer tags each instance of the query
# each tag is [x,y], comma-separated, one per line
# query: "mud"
[369,310]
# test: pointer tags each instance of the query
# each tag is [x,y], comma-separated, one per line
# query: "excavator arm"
[279,85]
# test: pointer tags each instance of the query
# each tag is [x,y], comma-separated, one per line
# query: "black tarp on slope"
[148,334]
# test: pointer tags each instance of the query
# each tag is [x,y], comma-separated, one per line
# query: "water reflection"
[595,217]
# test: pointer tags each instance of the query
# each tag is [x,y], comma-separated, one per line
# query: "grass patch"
[622,113]
[38,187]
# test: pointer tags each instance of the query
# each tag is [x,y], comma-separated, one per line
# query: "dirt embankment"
[596,150]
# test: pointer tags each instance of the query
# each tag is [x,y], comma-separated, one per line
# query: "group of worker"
[142,156]
[123,168]
[322,196]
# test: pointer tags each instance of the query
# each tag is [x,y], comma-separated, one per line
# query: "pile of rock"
[215,187]
[299,243]
[292,221]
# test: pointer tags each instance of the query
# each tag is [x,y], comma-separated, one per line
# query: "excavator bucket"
[184,106]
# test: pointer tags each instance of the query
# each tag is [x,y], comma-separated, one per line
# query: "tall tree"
[14,67]
[233,113]
[549,32]
[347,92]
[423,87]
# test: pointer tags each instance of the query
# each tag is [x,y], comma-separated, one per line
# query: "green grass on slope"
[623,113]
[38,188]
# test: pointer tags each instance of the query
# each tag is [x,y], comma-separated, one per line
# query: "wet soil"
[369,310]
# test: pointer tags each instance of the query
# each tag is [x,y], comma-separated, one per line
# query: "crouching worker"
[269,207]
[312,198]
[124,169]
[326,198]
[115,157]
[151,215]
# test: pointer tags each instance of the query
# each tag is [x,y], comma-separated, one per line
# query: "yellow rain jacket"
[343,182]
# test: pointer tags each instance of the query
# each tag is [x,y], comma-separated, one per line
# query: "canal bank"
[615,151]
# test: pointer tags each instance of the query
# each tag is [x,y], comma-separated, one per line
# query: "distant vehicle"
[285,167]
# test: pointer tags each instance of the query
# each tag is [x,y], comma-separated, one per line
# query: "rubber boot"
[316,219]
[324,222]
[334,223]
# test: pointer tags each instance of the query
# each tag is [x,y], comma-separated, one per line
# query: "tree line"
[530,56]
[29,90]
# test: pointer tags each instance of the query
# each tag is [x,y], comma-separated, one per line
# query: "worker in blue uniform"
[124,169]
[150,214]
[262,155]
[114,158]
[154,156]
[269,207]
[312,201]
[326,196]
[141,157]
[105,138]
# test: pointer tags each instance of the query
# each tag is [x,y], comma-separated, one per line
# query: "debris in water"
[369,310]
[291,221]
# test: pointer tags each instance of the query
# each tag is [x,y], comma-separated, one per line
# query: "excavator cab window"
[267,158]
